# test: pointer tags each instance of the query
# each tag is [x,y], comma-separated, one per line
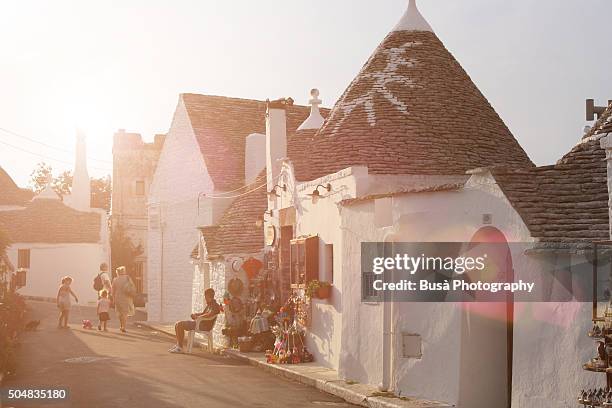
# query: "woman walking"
[63,301]
[123,290]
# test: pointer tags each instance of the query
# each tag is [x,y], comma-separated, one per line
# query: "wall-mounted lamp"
[274,193]
[316,194]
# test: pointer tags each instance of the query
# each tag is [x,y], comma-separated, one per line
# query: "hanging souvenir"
[252,267]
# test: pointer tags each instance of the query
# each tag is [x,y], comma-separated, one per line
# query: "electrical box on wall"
[411,345]
[487,219]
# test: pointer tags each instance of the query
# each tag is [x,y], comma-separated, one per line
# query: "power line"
[48,157]
[235,196]
[48,145]
[221,193]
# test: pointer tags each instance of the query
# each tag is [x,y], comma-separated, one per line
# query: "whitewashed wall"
[332,338]
[180,176]
[324,336]
[549,339]
[50,262]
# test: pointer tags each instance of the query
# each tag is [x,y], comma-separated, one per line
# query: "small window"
[140,188]
[23,258]
[368,293]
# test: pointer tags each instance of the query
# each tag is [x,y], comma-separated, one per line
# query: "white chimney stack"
[80,194]
[254,156]
[315,120]
[276,137]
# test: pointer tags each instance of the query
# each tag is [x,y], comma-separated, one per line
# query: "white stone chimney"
[80,195]
[276,138]
[254,156]
[314,120]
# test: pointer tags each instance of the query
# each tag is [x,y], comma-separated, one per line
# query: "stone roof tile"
[10,193]
[50,221]
[412,109]
[221,125]
[237,231]
[566,202]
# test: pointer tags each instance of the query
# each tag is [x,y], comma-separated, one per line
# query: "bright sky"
[121,64]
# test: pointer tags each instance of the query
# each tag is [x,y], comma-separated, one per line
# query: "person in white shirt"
[106,280]
[103,310]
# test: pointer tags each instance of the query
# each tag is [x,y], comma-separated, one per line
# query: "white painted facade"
[553,334]
[176,207]
[50,262]
[362,340]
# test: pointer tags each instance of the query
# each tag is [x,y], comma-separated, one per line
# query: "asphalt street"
[112,369]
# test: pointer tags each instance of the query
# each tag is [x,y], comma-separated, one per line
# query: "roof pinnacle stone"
[314,120]
[412,20]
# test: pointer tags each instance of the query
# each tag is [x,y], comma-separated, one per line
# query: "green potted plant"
[318,289]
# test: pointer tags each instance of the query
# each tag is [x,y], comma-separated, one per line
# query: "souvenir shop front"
[268,303]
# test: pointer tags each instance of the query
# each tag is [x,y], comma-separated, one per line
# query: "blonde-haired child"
[63,301]
[103,309]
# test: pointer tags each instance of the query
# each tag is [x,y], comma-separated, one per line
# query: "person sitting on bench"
[211,310]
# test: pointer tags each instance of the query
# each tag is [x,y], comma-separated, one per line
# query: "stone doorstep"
[317,376]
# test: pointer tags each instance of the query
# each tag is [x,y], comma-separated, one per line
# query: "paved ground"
[135,370]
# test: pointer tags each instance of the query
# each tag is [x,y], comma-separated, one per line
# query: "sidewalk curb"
[351,393]
[154,327]
[357,394]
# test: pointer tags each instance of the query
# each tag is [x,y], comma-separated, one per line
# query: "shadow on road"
[134,369]
[60,358]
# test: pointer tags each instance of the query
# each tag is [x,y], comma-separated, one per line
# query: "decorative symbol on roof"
[380,79]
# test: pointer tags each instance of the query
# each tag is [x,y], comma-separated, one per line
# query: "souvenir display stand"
[601,333]
[289,345]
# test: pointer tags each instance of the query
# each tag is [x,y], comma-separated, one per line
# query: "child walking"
[102,310]
[63,301]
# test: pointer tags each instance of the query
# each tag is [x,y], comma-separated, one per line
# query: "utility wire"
[48,157]
[235,196]
[47,145]
[221,194]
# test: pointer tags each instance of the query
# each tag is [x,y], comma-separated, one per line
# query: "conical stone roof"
[10,193]
[412,109]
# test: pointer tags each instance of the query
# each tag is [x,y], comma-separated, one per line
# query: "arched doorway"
[486,332]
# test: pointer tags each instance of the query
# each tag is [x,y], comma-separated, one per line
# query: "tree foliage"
[101,193]
[123,250]
[5,242]
[61,184]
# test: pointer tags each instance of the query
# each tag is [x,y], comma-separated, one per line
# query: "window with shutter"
[304,260]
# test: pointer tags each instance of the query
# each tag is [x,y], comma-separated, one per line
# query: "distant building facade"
[134,163]
[52,237]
